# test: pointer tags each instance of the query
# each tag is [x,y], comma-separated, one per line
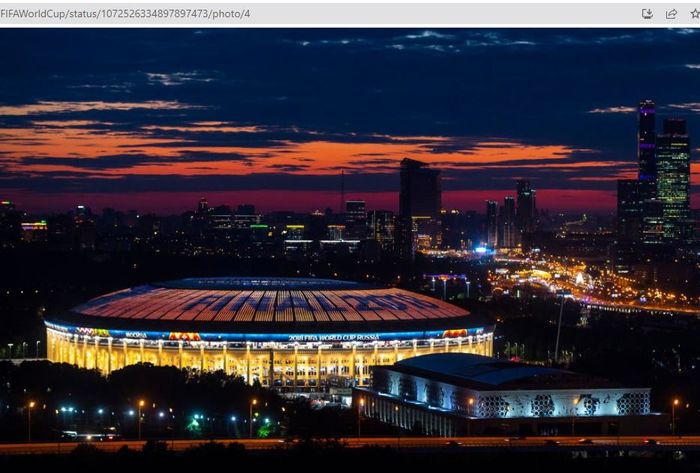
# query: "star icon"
[695,14]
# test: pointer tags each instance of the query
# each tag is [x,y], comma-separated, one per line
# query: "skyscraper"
[652,214]
[629,211]
[526,213]
[421,193]
[508,223]
[420,200]
[673,178]
[646,146]
[492,223]
[355,220]
[380,224]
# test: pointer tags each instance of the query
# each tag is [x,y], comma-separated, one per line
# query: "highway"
[659,443]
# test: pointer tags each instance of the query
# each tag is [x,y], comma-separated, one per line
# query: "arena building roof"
[234,304]
[487,373]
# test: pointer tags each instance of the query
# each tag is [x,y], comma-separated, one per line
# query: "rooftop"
[486,373]
[281,303]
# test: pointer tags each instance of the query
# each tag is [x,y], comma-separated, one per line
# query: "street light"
[29,420]
[360,406]
[573,416]
[37,348]
[141,404]
[469,415]
[250,417]
[398,427]
[673,416]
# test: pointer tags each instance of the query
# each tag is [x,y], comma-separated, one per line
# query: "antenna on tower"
[342,190]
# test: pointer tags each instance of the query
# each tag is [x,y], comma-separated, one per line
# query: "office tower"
[507,218]
[492,223]
[652,220]
[526,213]
[355,220]
[630,206]
[629,210]
[420,201]
[85,231]
[421,193]
[381,228]
[646,147]
[316,226]
[673,178]
[455,234]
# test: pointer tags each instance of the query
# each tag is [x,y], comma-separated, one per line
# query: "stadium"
[286,332]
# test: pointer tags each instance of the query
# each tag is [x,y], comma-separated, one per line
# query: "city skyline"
[272,119]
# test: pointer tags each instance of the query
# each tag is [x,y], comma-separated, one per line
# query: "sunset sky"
[154,119]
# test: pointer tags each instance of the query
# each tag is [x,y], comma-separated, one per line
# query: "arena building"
[452,394]
[286,332]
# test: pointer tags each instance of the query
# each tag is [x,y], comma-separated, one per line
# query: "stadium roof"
[279,303]
[492,374]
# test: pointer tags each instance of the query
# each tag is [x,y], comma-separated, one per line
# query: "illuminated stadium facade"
[284,332]
[453,394]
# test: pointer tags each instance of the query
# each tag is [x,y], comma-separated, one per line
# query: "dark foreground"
[334,455]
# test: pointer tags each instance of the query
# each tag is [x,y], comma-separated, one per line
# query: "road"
[466,443]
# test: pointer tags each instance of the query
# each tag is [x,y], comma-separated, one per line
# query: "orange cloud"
[86,139]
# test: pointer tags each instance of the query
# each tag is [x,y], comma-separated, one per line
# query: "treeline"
[335,455]
[171,402]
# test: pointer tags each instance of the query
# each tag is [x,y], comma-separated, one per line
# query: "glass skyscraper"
[673,178]
[526,213]
[420,201]
[646,144]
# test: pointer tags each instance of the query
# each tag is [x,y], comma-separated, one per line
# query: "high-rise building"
[316,226]
[459,229]
[629,210]
[355,219]
[646,146]
[526,213]
[652,212]
[492,223]
[673,178]
[420,201]
[507,218]
[421,193]
[652,220]
[630,206]
[381,228]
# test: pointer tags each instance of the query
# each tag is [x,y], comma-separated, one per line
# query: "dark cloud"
[125,161]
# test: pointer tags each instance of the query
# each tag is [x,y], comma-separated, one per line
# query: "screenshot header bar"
[666,15]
